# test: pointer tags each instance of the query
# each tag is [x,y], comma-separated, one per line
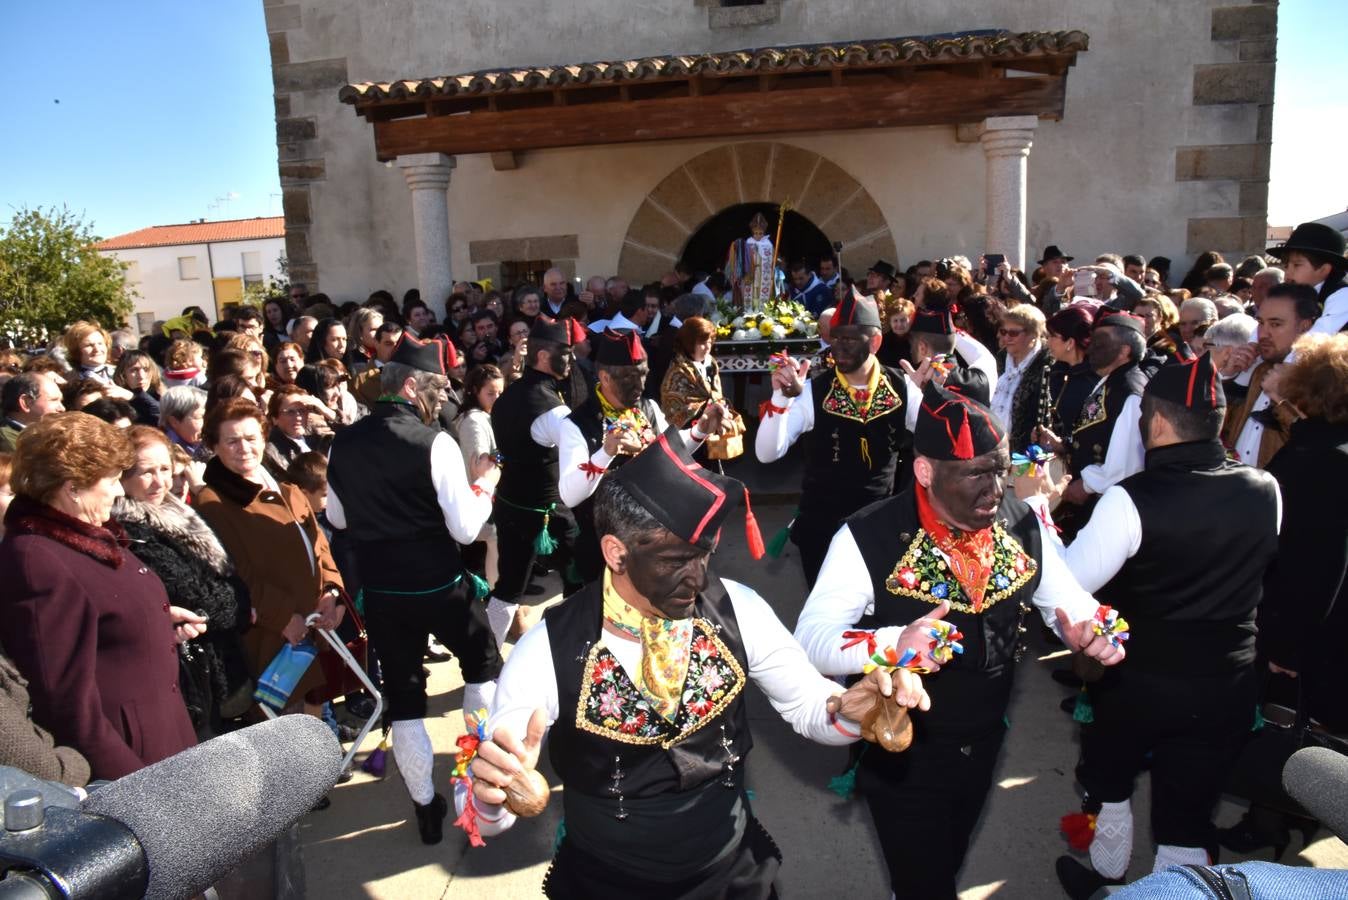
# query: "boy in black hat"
[954,545]
[530,518]
[611,427]
[1313,255]
[933,335]
[856,419]
[638,683]
[397,487]
[1185,698]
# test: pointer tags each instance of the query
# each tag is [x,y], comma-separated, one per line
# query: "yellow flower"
[788,321]
[765,328]
[723,331]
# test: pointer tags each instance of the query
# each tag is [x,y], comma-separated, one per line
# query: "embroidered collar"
[104,543]
[632,416]
[861,397]
[969,553]
[880,398]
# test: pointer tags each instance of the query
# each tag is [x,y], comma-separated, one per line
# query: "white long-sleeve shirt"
[976,356]
[845,592]
[1125,455]
[465,510]
[576,484]
[777,664]
[1335,314]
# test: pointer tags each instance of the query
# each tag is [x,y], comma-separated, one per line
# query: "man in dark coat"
[1187,695]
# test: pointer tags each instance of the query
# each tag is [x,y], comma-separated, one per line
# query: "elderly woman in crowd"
[1022,398]
[84,620]
[895,346]
[182,550]
[288,411]
[139,373]
[182,412]
[272,535]
[526,303]
[184,364]
[86,346]
[363,327]
[1195,315]
[1233,344]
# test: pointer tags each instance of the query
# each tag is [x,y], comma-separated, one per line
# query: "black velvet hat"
[1051,252]
[1121,320]
[854,309]
[618,347]
[692,502]
[883,268]
[436,355]
[550,331]
[1194,384]
[934,319]
[953,426]
[1317,238]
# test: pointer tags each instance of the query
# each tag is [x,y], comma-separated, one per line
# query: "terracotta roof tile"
[198,233]
[962,47]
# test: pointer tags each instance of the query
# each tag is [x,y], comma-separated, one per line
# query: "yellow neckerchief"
[665,647]
[633,416]
[861,397]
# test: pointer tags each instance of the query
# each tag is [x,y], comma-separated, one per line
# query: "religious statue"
[751,266]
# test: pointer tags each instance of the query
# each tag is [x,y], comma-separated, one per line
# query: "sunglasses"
[1010,332]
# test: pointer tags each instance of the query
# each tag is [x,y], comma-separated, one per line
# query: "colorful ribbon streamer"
[1108,623]
[1028,463]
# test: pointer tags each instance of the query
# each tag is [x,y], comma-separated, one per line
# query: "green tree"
[51,275]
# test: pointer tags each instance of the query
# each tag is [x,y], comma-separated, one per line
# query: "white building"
[204,264]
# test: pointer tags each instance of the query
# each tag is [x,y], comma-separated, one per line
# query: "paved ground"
[366,845]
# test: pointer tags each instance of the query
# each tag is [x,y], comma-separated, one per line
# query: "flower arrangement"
[780,319]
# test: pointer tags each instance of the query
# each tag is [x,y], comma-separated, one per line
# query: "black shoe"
[438,656]
[1078,881]
[431,819]
[534,590]
[1255,832]
[346,734]
[1067,678]
[347,774]
[1068,704]
[361,706]
[322,804]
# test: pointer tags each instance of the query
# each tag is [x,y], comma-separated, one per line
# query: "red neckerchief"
[970,553]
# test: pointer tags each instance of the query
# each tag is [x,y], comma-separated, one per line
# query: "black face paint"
[669,572]
[851,348]
[628,383]
[970,492]
[559,361]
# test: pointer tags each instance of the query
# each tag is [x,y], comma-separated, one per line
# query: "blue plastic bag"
[283,674]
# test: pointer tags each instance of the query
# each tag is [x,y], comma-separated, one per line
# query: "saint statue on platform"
[751,266]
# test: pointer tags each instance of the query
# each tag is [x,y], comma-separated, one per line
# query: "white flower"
[778,332]
[813,330]
[738,322]
[739,334]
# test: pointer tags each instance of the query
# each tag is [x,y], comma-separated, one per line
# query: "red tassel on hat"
[964,444]
[752,535]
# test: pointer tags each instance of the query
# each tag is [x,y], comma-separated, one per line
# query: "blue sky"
[165,108]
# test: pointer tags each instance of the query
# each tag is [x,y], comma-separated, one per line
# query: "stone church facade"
[422,141]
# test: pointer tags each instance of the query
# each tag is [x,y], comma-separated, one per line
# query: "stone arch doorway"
[706,249]
[747,173]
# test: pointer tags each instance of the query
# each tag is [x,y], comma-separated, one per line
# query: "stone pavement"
[366,844]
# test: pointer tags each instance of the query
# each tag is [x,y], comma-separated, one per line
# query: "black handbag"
[194,683]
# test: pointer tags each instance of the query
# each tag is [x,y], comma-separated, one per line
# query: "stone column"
[427,177]
[1006,145]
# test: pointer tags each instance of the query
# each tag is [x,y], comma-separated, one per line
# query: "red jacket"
[88,625]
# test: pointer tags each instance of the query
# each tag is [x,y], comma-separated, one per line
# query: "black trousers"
[516,530]
[1192,725]
[812,533]
[925,804]
[398,625]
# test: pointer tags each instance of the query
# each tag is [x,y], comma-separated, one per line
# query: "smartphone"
[1083,284]
[993,261]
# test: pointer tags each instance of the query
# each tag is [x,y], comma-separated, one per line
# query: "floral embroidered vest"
[603,714]
[1089,436]
[850,460]
[909,577]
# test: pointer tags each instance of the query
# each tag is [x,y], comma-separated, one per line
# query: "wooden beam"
[923,101]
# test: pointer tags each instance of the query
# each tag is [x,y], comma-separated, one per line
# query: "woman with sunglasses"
[1021,399]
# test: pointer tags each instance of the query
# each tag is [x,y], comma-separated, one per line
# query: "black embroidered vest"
[970,694]
[1089,441]
[848,462]
[1191,601]
[681,786]
[528,469]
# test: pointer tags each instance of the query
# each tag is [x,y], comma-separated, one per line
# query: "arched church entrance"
[801,239]
[699,208]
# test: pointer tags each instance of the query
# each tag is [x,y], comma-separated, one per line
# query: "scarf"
[632,417]
[103,543]
[861,397]
[665,647]
[970,554]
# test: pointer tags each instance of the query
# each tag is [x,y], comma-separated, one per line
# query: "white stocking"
[416,759]
[1168,855]
[500,614]
[1112,846]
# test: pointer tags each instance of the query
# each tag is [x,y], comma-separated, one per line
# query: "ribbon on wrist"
[1109,624]
[462,777]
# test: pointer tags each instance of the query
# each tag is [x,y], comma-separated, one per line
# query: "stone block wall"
[1249,35]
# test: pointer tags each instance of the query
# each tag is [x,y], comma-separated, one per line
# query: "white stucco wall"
[1102,179]
[163,294]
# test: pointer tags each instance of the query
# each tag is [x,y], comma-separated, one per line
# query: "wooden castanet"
[527,794]
[888,725]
